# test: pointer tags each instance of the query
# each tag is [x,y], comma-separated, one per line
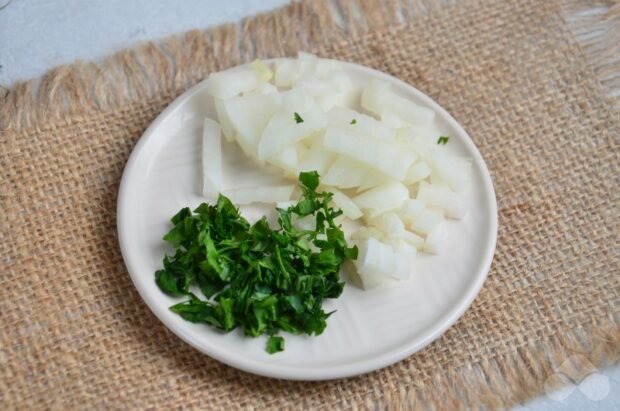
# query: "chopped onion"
[345,173]
[285,204]
[275,194]
[348,207]
[371,255]
[263,73]
[435,240]
[390,224]
[284,129]
[410,210]
[364,233]
[230,83]
[408,111]
[329,101]
[326,68]
[417,172]
[413,240]
[373,96]
[222,115]
[442,197]
[287,160]
[393,230]
[454,172]
[382,156]
[287,71]
[360,123]
[262,89]
[392,120]
[372,178]
[211,158]
[314,86]
[317,158]
[307,63]
[377,260]
[426,221]
[386,197]
[378,98]
[404,255]
[297,115]
[249,116]
[421,144]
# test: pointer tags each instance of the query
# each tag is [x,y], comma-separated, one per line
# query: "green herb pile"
[261,279]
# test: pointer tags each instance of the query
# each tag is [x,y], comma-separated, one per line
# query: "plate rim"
[342,370]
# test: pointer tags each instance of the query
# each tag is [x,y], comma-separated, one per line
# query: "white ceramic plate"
[371,329]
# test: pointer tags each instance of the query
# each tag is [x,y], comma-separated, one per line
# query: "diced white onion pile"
[383,164]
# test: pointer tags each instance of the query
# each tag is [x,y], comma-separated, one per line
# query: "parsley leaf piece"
[298,118]
[275,344]
[167,282]
[310,179]
[443,140]
[354,121]
[197,311]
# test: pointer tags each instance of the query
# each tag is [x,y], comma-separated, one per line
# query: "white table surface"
[36,35]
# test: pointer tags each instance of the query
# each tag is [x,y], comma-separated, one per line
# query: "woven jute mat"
[531,81]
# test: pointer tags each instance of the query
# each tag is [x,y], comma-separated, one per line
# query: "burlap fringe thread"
[596,26]
[169,67]
[164,70]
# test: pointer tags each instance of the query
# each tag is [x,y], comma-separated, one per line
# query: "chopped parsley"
[275,344]
[354,121]
[298,118]
[443,140]
[261,279]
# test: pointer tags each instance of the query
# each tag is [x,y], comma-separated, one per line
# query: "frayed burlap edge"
[153,70]
[596,27]
[514,377]
[170,66]
[174,64]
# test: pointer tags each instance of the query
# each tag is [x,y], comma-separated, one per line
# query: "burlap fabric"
[529,80]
